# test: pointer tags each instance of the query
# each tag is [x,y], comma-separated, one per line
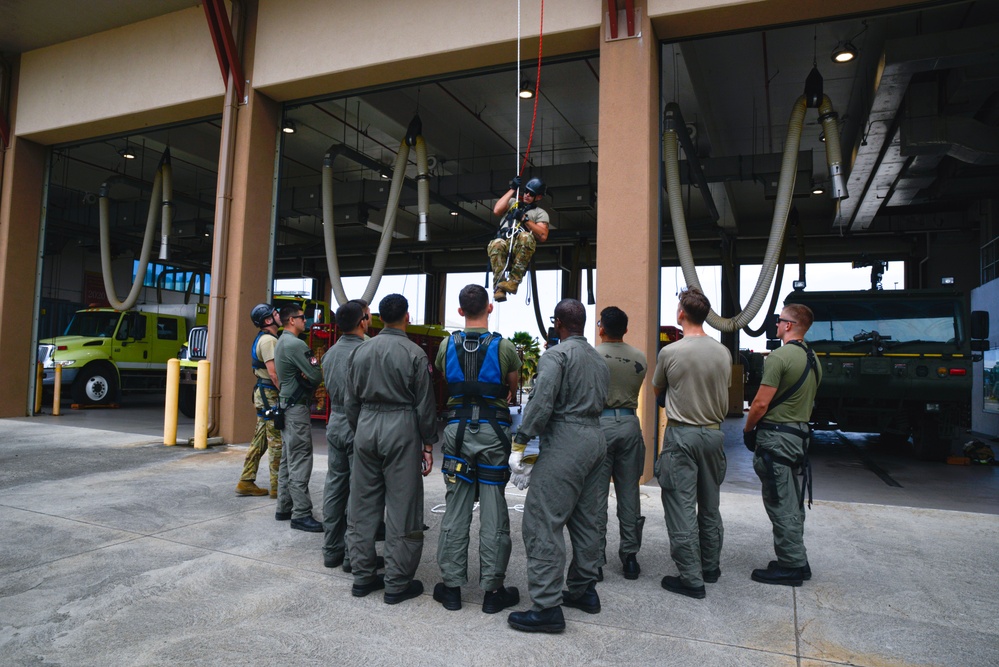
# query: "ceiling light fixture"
[127,153]
[822,137]
[288,127]
[526,89]
[844,52]
[817,189]
[454,212]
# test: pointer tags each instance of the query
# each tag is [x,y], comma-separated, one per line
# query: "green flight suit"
[625,459]
[390,407]
[570,391]
[298,372]
[340,442]
[481,445]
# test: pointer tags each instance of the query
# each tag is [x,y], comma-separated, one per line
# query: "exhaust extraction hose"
[166,217]
[147,244]
[388,226]
[785,190]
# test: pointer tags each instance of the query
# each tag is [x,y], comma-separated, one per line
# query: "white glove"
[522,479]
[516,461]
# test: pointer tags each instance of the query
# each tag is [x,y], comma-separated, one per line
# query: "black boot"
[780,576]
[631,567]
[675,585]
[546,620]
[448,596]
[588,601]
[806,572]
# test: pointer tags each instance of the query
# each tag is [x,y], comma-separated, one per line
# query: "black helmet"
[536,187]
[260,313]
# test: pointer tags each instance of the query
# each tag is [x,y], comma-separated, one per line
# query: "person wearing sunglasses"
[777,432]
[299,373]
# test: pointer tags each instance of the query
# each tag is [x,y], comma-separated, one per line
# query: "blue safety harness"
[472,355]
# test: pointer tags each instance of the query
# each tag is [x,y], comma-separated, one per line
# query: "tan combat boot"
[508,286]
[249,489]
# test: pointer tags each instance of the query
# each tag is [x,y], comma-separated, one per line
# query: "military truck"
[897,363]
[104,352]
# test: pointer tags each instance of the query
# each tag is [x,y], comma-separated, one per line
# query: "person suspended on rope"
[524,225]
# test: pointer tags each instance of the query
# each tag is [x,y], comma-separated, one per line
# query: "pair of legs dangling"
[516,258]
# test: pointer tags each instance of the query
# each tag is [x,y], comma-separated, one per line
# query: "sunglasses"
[781,319]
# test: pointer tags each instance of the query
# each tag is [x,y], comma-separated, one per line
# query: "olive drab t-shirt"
[536,214]
[696,372]
[627,366]
[782,369]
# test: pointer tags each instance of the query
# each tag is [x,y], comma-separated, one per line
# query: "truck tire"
[96,384]
[185,400]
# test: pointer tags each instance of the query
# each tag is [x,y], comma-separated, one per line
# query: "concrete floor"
[118,550]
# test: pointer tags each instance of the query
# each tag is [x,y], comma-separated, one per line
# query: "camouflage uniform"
[524,245]
[265,437]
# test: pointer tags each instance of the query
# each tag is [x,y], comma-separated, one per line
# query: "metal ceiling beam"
[375,165]
[902,58]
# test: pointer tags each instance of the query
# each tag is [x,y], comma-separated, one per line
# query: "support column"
[628,207]
[730,287]
[433,299]
[248,275]
[21,186]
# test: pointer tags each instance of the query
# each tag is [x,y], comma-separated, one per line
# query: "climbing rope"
[537,88]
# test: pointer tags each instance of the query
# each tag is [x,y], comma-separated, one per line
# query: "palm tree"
[529,350]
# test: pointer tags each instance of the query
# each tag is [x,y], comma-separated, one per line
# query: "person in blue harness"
[482,371]
[777,432]
[266,436]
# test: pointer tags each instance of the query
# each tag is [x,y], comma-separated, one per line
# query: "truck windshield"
[924,320]
[95,324]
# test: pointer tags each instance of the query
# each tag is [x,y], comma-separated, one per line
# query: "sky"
[517,314]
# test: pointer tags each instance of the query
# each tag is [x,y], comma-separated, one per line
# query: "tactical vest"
[257,363]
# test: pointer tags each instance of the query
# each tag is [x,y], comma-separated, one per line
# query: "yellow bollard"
[39,376]
[57,391]
[170,408]
[201,405]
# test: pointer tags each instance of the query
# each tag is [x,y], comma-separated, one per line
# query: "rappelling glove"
[749,439]
[519,213]
[516,461]
[523,479]
[515,183]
